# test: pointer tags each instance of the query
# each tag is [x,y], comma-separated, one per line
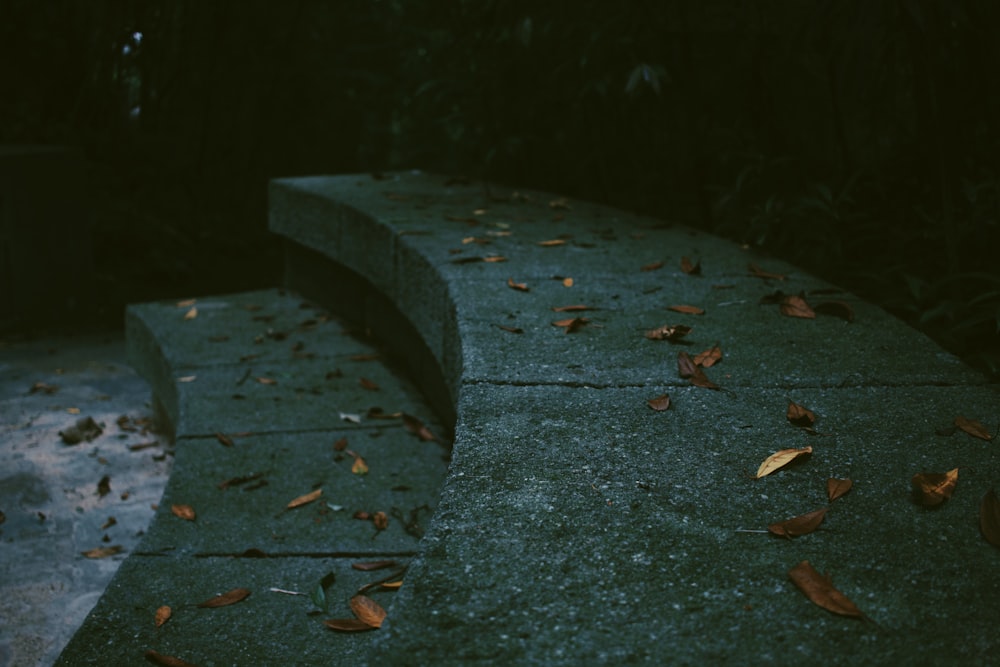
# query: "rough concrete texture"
[244,450]
[576,525]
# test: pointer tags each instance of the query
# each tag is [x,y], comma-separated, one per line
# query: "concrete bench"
[577,525]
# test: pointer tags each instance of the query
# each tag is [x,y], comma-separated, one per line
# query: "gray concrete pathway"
[52,509]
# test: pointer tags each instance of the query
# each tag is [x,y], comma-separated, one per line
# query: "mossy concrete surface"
[577,525]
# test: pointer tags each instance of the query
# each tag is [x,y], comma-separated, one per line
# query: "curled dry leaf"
[368,566]
[103,552]
[689,268]
[840,309]
[687,369]
[800,525]
[185,512]
[347,625]
[166,660]
[187,303]
[304,499]
[709,357]
[652,266]
[758,272]
[224,439]
[780,459]
[551,243]
[795,306]
[226,599]
[162,615]
[191,314]
[367,610]
[799,415]
[494,259]
[417,427]
[264,380]
[933,488]
[520,287]
[381,520]
[359,467]
[973,428]
[820,591]
[989,517]
[660,403]
[370,385]
[690,310]
[835,488]
[513,330]
[572,325]
[668,332]
[567,282]
[572,309]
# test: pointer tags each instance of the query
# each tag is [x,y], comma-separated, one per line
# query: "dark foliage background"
[858,139]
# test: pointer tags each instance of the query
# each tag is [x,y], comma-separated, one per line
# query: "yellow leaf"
[780,459]
[305,499]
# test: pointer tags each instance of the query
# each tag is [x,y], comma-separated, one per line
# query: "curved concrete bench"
[577,525]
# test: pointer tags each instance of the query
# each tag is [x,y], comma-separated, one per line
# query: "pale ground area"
[52,508]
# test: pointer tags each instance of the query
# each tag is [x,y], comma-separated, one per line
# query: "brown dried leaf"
[520,287]
[973,428]
[359,467]
[368,384]
[226,599]
[687,369]
[758,272]
[668,332]
[689,268]
[185,512]
[416,427]
[572,309]
[835,488]
[660,403]
[838,308]
[551,243]
[43,387]
[709,357]
[191,314]
[793,305]
[690,310]
[373,565]
[933,488]
[800,525]
[347,625]
[513,330]
[224,439]
[166,660]
[494,259]
[304,499]
[989,517]
[381,520]
[187,303]
[162,615]
[652,266]
[780,459]
[820,591]
[567,282]
[367,610]
[571,325]
[103,552]
[104,486]
[799,415]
